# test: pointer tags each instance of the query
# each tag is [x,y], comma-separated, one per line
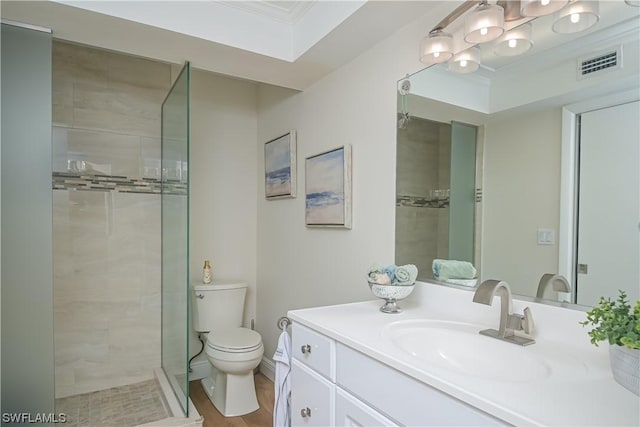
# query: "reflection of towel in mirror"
[406,274]
[282,383]
[444,269]
[463,282]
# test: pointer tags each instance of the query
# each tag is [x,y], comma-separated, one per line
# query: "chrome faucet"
[509,322]
[560,284]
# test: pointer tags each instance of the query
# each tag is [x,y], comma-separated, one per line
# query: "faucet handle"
[521,322]
[528,326]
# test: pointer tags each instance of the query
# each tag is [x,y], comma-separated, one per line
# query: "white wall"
[521,194]
[223,182]
[301,267]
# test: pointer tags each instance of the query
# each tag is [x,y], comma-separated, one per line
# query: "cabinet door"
[415,403]
[350,412]
[312,397]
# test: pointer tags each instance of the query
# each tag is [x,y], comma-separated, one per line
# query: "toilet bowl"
[234,353]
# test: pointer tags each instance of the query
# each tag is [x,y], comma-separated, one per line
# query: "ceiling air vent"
[595,64]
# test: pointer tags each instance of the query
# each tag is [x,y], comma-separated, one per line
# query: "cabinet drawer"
[312,397]
[314,350]
[351,412]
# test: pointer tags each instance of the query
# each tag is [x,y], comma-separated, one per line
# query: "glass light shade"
[484,24]
[515,41]
[436,47]
[466,61]
[535,8]
[576,16]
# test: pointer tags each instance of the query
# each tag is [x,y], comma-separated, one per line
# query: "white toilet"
[233,351]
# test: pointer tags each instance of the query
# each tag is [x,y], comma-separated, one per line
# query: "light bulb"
[483,31]
[545,2]
[575,18]
[463,63]
[513,43]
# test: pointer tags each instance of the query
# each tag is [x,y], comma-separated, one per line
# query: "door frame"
[567,230]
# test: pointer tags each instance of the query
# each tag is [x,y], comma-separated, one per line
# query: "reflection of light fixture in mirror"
[541,7]
[484,23]
[577,16]
[466,61]
[515,41]
[436,47]
[403,114]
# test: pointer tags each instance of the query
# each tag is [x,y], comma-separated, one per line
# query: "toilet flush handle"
[200,296]
[305,349]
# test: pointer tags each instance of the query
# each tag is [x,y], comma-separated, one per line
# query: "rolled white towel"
[381,279]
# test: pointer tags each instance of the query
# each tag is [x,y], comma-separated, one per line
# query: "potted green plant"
[617,323]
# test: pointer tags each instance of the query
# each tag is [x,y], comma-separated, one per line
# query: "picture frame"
[328,188]
[280,167]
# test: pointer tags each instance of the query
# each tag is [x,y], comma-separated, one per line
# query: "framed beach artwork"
[280,167]
[328,188]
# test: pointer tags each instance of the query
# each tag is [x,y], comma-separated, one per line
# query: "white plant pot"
[625,365]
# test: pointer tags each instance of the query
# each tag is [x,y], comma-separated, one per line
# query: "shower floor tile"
[124,406]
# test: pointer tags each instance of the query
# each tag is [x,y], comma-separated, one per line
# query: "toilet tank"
[217,305]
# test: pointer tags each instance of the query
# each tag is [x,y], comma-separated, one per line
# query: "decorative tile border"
[430,201]
[422,202]
[120,184]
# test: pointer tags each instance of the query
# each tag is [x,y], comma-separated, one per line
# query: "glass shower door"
[175,237]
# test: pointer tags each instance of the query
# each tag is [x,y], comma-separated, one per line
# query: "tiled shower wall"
[422,183]
[106,220]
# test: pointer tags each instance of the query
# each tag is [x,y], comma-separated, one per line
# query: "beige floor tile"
[125,406]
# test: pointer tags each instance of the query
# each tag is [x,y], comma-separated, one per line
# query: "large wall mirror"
[530,165]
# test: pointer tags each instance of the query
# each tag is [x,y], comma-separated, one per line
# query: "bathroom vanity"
[353,365]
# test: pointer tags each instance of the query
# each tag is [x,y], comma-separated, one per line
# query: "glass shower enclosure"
[175,237]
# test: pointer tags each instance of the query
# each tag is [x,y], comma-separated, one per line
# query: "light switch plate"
[546,236]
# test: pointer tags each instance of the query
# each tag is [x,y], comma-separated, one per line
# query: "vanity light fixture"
[436,47]
[536,8]
[484,21]
[515,41]
[578,15]
[484,24]
[466,61]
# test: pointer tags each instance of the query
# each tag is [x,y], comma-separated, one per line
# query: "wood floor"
[263,417]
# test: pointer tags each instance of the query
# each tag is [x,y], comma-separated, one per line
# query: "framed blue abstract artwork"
[280,167]
[328,188]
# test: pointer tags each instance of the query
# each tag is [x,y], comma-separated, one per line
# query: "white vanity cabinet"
[331,382]
[316,400]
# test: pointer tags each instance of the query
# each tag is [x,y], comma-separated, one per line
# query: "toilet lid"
[234,340]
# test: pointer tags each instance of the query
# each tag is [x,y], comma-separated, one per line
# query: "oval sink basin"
[460,348]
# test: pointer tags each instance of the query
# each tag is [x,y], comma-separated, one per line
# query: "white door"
[608,247]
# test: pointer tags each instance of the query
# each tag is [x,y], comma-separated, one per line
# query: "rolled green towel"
[373,272]
[444,269]
[406,275]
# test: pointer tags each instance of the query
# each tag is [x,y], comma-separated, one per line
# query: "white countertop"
[580,391]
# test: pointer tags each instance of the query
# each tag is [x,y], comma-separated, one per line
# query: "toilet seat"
[234,340]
